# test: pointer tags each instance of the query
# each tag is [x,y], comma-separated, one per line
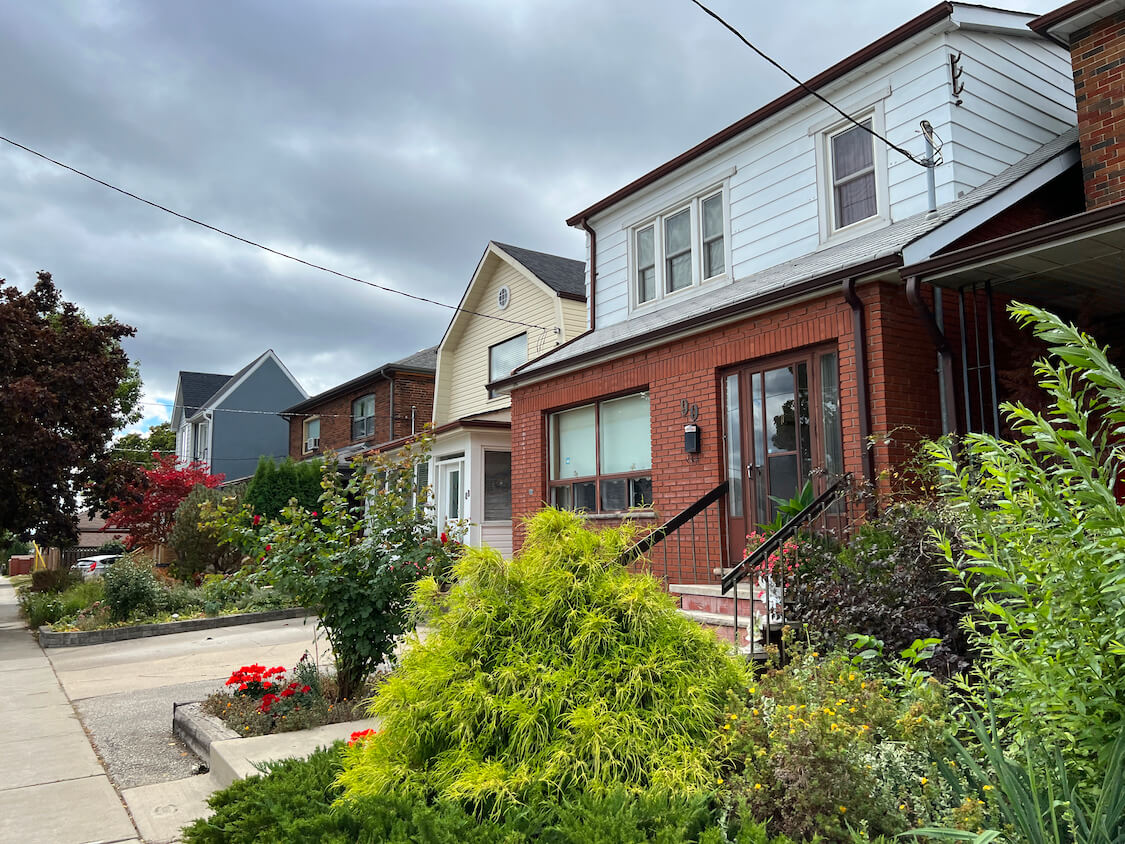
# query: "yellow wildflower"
[719,781]
[924,780]
[986,788]
[757,786]
[843,810]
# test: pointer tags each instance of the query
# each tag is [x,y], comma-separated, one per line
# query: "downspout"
[593,298]
[945,354]
[859,342]
[391,430]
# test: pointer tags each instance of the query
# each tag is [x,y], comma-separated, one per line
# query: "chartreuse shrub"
[553,674]
[1042,549]
[294,802]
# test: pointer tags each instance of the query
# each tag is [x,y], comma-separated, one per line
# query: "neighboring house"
[92,532]
[227,422]
[773,288]
[519,305]
[387,403]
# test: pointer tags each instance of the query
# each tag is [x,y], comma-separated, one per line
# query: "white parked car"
[95,566]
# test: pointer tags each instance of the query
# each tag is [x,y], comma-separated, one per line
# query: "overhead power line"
[921,162]
[170,408]
[262,246]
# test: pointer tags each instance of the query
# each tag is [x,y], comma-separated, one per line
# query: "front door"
[782,429]
[450,492]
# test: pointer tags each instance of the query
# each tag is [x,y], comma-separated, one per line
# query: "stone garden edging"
[51,639]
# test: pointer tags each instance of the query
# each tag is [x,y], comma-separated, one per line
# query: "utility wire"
[169,408]
[265,248]
[921,162]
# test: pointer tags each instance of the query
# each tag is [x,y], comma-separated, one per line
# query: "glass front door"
[782,430]
[450,493]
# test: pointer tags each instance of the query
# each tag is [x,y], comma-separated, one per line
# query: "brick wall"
[411,390]
[1097,53]
[902,376]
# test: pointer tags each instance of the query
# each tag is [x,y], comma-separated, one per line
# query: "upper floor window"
[200,450]
[680,249]
[601,456]
[854,195]
[363,417]
[506,356]
[312,434]
[852,173]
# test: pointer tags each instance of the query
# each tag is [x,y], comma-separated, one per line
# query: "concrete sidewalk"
[52,787]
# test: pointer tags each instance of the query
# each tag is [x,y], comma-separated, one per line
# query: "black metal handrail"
[673,524]
[774,542]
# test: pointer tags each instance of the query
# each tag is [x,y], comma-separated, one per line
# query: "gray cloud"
[390,140]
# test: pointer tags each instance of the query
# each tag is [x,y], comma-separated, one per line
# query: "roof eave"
[701,322]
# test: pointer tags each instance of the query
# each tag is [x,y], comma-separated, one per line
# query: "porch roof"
[1076,263]
[862,257]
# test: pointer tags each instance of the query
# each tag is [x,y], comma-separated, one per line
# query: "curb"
[198,730]
[50,639]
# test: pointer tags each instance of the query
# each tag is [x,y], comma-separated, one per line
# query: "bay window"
[601,456]
[680,249]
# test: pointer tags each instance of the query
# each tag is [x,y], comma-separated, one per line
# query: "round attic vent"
[503,297]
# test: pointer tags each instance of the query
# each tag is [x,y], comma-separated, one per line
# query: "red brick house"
[396,400]
[762,307]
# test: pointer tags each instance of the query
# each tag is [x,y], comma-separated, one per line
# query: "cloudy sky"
[388,140]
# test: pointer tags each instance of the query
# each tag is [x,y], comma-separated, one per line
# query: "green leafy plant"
[353,560]
[1042,540]
[1035,802]
[297,800]
[131,587]
[822,747]
[54,580]
[555,673]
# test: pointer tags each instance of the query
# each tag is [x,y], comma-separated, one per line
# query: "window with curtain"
[853,175]
[601,456]
[363,417]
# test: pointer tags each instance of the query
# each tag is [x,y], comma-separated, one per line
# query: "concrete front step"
[721,624]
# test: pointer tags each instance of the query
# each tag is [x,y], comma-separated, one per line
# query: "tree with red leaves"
[148,509]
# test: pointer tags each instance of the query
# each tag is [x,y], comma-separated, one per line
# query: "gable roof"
[423,362]
[864,256]
[961,14]
[197,387]
[565,276]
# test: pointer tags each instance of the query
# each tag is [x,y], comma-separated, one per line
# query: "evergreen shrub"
[274,484]
[198,548]
[556,673]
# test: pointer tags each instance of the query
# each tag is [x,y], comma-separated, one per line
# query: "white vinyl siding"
[771,171]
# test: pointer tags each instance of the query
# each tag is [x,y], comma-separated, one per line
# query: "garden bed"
[49,638]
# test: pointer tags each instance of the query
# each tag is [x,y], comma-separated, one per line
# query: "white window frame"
[656,221]
[829,233]
[306,449]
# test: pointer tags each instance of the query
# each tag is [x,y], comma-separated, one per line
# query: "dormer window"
[681,249]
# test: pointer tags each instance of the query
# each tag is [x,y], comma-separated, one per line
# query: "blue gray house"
[227,422]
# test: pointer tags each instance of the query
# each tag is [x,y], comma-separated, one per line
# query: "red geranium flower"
[257,519]
[359,736]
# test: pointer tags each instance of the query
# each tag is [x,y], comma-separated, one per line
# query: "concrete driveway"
[124,691]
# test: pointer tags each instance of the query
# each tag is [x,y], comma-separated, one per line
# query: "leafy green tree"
[1043,552]
[66,385]
[139,448]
